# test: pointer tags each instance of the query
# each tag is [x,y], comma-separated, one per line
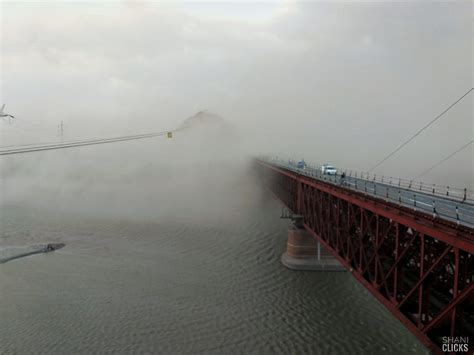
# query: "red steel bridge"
[417,264]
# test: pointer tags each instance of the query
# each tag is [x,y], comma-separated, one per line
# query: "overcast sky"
[339,82]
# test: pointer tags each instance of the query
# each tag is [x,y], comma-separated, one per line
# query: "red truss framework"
[419,267]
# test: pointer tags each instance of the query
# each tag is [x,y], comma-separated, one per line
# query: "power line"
[421,130]
[443,160]
[72,144]
[21,146]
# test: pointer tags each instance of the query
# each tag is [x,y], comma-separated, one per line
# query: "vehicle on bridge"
[301,164]
[327,169]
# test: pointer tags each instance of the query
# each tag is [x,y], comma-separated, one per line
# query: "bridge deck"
[443,207]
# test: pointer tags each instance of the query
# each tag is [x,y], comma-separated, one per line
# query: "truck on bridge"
[327,169]
[301,164]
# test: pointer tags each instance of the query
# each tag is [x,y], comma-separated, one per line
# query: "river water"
[179,285]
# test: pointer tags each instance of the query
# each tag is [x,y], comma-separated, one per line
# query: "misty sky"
[339,82]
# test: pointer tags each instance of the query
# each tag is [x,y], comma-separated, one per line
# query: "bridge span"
[417,263]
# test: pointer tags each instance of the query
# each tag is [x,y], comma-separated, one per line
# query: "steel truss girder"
[422,271]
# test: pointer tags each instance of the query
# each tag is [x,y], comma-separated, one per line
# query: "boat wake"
[9,254]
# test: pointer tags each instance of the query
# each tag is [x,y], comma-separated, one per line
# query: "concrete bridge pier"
[303,252]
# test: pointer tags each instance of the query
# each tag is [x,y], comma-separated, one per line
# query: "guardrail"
[462,195]
[449,203]
[458,194]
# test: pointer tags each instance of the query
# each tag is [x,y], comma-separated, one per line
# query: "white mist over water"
[171,247]
[331,82]
[195,173]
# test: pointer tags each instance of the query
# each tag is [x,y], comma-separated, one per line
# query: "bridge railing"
[403,192]
[462,195]
[454,193]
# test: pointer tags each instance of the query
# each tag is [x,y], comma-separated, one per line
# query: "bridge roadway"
[435,205]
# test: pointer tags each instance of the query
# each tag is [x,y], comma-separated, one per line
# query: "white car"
[327,169]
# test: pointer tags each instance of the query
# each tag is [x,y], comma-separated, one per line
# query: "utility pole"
[61,130]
